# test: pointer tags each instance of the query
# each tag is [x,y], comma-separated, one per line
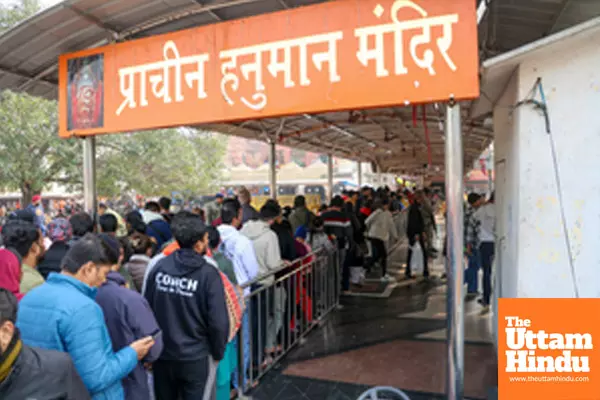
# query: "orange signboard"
[339,55]
[548,349]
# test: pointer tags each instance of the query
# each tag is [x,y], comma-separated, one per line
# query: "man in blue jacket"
[128,317]
[188,299]
[62,315]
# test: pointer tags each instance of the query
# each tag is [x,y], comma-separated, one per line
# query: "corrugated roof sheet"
[29,54]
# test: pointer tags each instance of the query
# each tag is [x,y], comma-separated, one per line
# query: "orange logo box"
[549,349]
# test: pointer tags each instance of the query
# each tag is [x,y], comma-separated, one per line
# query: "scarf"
[8,358]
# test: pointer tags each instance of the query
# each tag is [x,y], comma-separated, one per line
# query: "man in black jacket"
[31,373]
[415,231]
[337,223]
[188,299]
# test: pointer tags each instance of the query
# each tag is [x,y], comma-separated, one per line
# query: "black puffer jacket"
[53,259]
[43,375]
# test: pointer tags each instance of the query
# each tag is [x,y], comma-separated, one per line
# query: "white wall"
[533,257]
[506,165]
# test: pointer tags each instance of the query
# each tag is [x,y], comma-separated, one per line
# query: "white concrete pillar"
[89,175]
[455,299]
[359,165]
[273,169]
[330,177]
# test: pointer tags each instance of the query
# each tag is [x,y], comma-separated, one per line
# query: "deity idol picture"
[85,92]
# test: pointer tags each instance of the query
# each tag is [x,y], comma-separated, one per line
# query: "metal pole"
[359,174]
[490,169]
[330,177]
[455,299]
[273,169]
[89,175]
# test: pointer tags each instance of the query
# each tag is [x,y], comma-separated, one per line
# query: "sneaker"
[386,278]
[470,296]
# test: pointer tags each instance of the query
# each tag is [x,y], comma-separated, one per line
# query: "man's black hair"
[90,248]
[188,229]
[318,222]
[270,210]
[214,237]
[103,206]
[165,203]
[22,215]
[299,201]
[82,224]
[152,206]
[136,222]
[108,223]
[337,201]
[113,247]
[472,198]
[230,210]
[8,306]
[20,235]
[286,212]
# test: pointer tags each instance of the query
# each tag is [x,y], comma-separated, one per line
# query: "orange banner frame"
[340,55]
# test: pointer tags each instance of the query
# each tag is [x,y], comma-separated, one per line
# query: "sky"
[45,3]
[49,3]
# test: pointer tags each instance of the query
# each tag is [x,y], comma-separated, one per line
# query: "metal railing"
[281,309]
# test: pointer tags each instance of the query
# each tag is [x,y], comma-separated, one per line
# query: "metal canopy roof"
[29,54]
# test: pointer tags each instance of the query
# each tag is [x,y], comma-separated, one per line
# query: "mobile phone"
[156,334]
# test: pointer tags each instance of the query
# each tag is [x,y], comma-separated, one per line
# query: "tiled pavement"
[396,341]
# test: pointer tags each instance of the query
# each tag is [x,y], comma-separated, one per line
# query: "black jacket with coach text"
[187,296]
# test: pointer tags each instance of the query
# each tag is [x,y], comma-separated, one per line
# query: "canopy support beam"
[273,168]
[454,265]
[89,174]
[330,177]
[359,180]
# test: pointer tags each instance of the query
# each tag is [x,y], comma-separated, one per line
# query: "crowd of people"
[165,293]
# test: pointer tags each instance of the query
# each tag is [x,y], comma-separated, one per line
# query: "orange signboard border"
[334,56]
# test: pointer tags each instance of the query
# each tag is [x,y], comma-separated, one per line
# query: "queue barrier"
[282,308]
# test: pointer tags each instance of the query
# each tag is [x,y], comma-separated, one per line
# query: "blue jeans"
[471,274]
[487,258]
[246,332]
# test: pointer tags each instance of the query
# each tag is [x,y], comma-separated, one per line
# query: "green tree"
[11,13]
[159,162]
[31,154]
[32,157]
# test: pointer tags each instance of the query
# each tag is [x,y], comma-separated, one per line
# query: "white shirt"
[486,215]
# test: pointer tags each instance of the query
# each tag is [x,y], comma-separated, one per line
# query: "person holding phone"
[62,315]
[128,317]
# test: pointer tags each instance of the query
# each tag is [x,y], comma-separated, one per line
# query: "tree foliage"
[32,157]
[11,13]
[159,162]
[31,154]
[151,163]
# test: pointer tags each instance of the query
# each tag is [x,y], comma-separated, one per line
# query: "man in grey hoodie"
[266,248]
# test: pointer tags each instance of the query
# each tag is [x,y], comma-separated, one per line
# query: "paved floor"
[397,340]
